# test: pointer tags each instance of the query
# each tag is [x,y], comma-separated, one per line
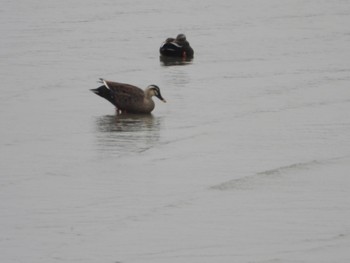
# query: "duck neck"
[149,93]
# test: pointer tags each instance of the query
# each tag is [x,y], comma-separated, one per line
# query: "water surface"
[246,162]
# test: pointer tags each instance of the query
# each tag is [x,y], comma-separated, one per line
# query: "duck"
[128,98]
[177,47]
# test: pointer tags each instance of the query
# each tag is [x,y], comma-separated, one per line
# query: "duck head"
[155,91]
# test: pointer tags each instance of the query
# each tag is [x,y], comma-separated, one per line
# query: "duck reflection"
[127,133]
[173,61]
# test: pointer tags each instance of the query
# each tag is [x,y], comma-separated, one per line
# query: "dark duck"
[177,47]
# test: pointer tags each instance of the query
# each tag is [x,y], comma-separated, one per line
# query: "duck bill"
[161,98]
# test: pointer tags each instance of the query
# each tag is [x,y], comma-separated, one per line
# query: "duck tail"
[104,92]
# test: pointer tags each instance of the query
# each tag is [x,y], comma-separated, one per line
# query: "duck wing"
[126,97]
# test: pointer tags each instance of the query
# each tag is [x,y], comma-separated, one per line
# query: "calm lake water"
[248,161]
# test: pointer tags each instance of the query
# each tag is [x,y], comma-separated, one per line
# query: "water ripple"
[127,133]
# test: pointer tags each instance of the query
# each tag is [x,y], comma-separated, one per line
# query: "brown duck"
[128,98]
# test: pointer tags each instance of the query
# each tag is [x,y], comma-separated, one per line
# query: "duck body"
[175,50]
[128,98]
[177,47]
[171,49]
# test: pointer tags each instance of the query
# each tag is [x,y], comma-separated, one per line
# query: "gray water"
[247,162]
